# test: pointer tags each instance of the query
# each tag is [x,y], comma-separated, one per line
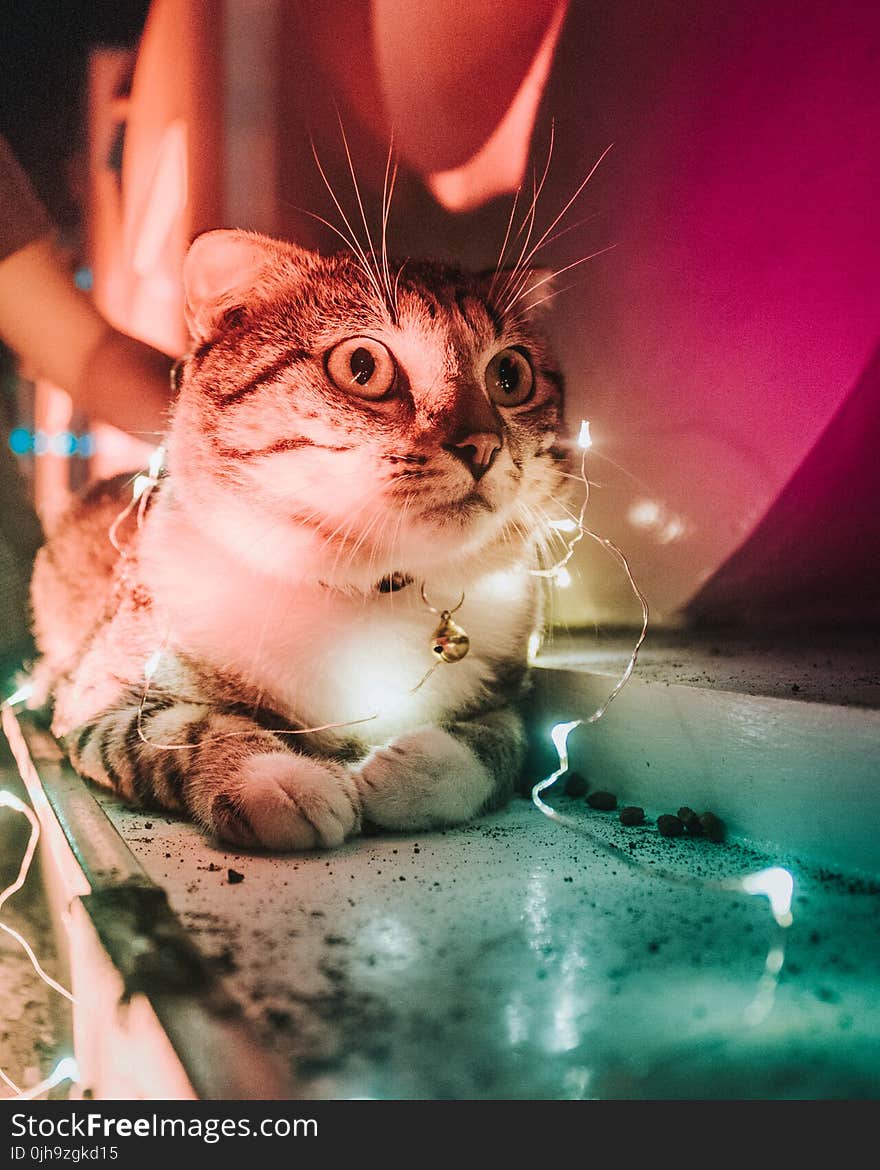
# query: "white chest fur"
[322,656]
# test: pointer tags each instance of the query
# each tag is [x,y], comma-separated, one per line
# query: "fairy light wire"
[763,1000]
[152,666]
[10,800]
[585,442]
[65,1069]
[774,882]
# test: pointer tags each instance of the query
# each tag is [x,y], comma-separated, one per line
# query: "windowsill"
[819,666]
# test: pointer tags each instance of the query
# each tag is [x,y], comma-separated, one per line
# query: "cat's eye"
[362,366]
[509,377]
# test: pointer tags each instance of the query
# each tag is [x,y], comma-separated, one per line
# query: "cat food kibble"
[690,820]
[669,825]
[712,826]
[632,815]
[575,784]
[604,801]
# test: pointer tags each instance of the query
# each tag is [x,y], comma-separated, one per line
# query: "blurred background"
[721,344]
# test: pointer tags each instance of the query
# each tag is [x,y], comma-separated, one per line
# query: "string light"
[775,882]
[66,1068]
[777,885]
[584,442]
[142,488]
[20,696]
[144,484]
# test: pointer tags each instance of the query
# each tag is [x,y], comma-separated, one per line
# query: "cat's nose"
[477,451]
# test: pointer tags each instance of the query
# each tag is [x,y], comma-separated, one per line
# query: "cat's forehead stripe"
[291,357]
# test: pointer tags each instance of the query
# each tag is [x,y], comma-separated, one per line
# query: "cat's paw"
[287,801]
[423,780]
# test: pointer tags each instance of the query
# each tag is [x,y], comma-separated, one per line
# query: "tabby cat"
[345,454]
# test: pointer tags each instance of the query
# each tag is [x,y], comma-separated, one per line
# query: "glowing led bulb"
[20,696]
[10,800]
[65,1070]
[562,577]
[559,735]
[140,485]
[157,462]
[584,439]
[152,664]
[534,645]
[564,525]
[778,886]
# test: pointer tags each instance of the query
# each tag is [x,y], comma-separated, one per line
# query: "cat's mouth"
[466,506]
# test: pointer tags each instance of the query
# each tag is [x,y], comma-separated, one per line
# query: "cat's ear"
[228,270]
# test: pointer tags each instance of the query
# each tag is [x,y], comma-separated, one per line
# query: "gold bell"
[449,641]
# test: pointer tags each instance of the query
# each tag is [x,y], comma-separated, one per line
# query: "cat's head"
[395,419]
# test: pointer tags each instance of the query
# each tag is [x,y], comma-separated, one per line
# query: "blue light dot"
[41,442]
[20,441]
[62,443]
[85,446]
[84,278]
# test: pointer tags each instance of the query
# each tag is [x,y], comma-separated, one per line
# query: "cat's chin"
[428,552]
[459,513]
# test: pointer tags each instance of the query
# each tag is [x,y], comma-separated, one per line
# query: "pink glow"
[499,165]
[740,302]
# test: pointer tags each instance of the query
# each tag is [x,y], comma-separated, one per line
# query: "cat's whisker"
[539,528]
[381,544]
[527,291]
[530,215]
[578,478]
[345,528]
[540,186]
[546,535]
[527,259]
[387,195]
[384,546]
[514,274]
[350,245]
[570,514]
[572,227]
[376,533]
[360,203]
[353,240]
[379,517]
[395,297]
[348,528]
[503,251]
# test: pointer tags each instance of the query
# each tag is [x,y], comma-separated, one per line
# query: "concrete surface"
[514,959]
[517,959]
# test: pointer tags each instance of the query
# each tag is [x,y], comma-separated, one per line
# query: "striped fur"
[274,585]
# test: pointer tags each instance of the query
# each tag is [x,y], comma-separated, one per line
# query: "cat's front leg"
[444,775]
[240,782]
